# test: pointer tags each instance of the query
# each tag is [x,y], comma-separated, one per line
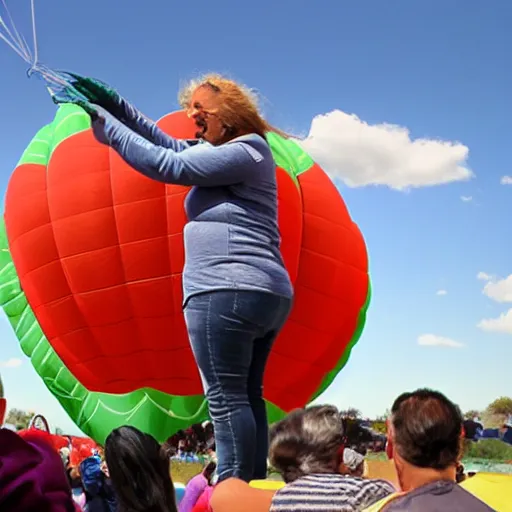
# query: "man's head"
[425,432]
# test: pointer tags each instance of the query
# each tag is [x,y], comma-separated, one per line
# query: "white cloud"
[506,180]
[432,340]
[383,154]
[483,276]
[499,290]
[11,363]
[501,324]
[466,199]
[441,292]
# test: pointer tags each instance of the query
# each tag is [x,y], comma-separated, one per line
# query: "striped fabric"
[330,493]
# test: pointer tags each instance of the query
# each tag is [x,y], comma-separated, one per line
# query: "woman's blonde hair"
[238,104]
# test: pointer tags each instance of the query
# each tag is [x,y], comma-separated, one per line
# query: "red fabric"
[105,280]
[57,442]
[81,449]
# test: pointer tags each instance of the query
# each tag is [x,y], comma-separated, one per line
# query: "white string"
[16,49]
[34,34]
[15,38]
[27,49]
[17,42]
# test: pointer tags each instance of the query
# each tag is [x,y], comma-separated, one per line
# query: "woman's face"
[204,105]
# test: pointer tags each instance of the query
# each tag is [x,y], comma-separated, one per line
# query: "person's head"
[425,432]
[222,109]
[140,472]
[209,470]
[307,441]
[32,476]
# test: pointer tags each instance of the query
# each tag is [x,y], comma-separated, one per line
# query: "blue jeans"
[232,333]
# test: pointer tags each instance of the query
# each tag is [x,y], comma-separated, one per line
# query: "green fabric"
[289,156]
[69,119]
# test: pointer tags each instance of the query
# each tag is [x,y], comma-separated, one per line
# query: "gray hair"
[307,441]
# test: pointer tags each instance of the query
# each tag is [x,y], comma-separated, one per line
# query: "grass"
[485,451]
[182,472]
[490,450]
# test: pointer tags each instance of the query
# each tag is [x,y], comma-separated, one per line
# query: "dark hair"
[209,470]
[307,441]
[427,429]
[140,472]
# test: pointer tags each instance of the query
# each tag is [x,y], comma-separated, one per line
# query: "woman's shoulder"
[333,490]
[255,141]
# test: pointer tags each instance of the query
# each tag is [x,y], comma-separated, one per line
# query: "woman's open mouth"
[202,127]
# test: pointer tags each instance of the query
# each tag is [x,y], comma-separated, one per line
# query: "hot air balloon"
[91,262]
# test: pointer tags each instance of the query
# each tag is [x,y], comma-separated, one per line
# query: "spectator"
[99,494]
[307,448]
[32,477]
[196,487]
[140,472]
[425,439]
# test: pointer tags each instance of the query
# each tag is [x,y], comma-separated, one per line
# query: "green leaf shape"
[289,156]
[68,120]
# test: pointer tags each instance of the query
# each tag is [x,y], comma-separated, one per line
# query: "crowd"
[308,448]
[197,443]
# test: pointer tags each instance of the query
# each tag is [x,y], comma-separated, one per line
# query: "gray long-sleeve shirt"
[232,238]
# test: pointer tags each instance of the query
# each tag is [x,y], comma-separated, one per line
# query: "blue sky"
[440,70]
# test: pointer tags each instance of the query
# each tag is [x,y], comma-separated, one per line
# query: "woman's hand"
[99,93]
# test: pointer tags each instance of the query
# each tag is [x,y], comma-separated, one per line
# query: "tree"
[471,414]
[20,419]
[351,412]
[502,405]
[384,417]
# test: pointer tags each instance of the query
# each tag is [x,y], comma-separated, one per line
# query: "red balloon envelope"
[98,249]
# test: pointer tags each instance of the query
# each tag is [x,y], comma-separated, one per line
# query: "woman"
[196,487]
[307,448]
[139,471]
[237,291]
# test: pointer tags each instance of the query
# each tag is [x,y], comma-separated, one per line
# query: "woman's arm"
[109,99]
[140,124]
[201,165]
